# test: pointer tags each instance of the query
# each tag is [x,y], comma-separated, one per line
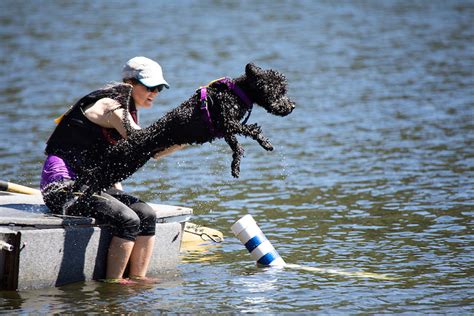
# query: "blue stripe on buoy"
[254,242]
[268,258]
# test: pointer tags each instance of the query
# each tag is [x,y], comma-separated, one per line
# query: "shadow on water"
[89,297]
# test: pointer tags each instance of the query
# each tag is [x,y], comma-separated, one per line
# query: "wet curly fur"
[185,125]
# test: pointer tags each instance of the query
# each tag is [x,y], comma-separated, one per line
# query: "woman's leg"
[145,241]
[125,224]
[141,255]
[117,257]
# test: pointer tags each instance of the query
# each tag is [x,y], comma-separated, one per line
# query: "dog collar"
[232,86]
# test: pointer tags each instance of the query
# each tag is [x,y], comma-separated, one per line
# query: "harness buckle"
[204,104]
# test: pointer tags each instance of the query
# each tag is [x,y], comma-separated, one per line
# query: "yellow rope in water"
[341,272]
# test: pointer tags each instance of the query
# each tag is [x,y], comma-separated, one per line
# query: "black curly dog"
[202,118]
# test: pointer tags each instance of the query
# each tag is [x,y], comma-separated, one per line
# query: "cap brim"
[153,82]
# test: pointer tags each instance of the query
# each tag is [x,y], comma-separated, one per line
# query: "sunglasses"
[157,88]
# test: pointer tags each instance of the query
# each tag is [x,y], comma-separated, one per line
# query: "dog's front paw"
[235,171]
[267,146]
[265,143]
[235,165]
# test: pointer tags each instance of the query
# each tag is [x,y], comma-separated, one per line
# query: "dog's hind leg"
[238,152]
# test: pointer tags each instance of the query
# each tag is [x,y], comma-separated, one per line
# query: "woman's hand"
[168,151]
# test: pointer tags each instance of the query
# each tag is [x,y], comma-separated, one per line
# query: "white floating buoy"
[262,251]
[252,237]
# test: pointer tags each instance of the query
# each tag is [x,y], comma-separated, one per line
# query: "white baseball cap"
[145,70]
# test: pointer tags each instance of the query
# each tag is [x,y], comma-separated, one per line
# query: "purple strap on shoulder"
[232,86]
[205,112]
[205,109]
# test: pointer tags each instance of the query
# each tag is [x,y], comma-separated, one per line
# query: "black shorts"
[128,215]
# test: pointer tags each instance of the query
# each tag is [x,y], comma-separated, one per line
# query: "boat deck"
[40,249]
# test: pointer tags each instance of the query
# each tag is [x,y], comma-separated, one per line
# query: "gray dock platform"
[40,250]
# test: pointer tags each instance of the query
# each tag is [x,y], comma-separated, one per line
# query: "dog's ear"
[251,70]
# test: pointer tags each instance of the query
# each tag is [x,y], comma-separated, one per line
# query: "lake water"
[373,172]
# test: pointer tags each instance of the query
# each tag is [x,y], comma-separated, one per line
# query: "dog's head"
[268,89]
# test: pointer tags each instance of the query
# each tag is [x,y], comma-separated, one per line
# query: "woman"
[82,137]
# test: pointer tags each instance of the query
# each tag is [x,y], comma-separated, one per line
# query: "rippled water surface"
[372,173]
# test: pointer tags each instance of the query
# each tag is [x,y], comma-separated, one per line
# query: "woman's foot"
[144,279]
[119,281]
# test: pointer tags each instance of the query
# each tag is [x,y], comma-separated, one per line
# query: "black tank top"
[81,142]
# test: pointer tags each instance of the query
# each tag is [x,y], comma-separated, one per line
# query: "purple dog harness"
[204,105]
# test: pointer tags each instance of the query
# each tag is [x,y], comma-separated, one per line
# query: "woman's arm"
[107,113]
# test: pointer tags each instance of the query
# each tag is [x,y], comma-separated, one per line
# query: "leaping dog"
[218,110]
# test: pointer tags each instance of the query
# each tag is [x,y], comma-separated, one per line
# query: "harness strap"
[205,112]
[232,86]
